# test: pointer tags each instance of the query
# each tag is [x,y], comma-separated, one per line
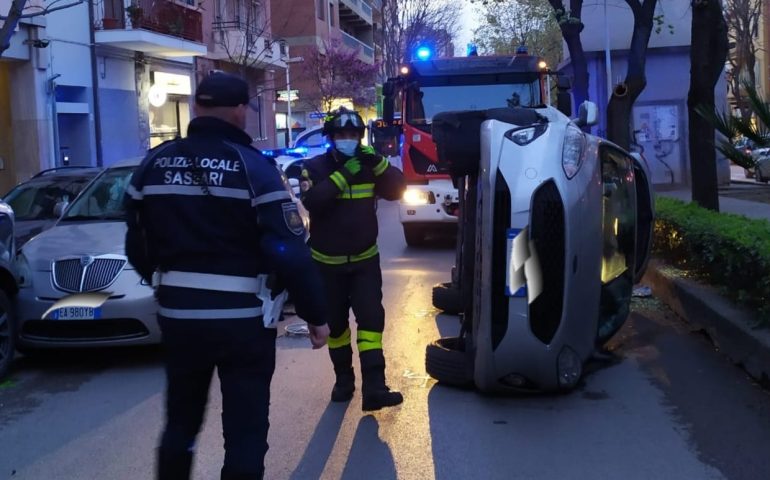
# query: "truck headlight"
[572,151]
[416,197]
[23,270]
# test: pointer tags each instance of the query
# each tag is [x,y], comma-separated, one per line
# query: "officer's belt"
[343,259]
[206,281]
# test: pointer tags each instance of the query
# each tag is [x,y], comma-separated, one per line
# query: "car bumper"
[442,206]
[125,319]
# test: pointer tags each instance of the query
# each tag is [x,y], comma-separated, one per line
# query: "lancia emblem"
[86,260]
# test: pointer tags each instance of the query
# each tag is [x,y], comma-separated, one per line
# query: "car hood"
[81,238]
[23,230]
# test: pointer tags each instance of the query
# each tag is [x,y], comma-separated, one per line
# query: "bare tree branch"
[14,14]
[43,10]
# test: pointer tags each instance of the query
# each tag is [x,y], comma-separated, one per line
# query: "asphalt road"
[668,406]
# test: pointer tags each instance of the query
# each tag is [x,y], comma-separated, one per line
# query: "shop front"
[169,106]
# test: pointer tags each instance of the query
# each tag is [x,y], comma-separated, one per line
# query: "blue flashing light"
[424,53]
[472,50]
[327,145]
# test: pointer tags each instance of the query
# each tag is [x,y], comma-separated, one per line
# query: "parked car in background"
[38,202]
[763,167]
[8,288]
[76,287]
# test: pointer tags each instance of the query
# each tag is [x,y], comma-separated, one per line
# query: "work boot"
[376,394]
[345,384]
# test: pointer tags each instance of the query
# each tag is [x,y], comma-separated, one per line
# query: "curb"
[726,324]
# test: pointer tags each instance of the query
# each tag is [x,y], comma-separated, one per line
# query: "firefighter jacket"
[212,214]
[342,206]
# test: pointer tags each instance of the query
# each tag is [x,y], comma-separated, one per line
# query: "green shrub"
[732,252]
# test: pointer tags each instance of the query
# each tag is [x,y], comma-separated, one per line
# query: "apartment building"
[306,26]
[240,40]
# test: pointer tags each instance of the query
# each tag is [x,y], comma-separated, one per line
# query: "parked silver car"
[76,285]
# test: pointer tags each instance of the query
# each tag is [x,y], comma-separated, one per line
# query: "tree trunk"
[6,31]
[571,34]
[708,51]
[624,95]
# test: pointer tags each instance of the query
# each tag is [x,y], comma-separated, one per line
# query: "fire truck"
[426,87]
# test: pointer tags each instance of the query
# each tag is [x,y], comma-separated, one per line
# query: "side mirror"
[59,208]
[588,115]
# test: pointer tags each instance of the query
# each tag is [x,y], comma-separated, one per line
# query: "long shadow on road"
[320,447]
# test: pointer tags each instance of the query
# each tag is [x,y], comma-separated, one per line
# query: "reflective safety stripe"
[210,314]
[343,259]
[134,193]
[369,341]
[339,180]
[271,197]
[207,281]
[380,168]
[360,190]
[341,341]
[196,190]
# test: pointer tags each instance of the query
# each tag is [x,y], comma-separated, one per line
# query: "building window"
[320,6]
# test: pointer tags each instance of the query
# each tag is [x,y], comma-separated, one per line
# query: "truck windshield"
[425,102]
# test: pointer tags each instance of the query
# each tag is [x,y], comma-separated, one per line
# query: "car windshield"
[35,200]
[103,199]
[427,101]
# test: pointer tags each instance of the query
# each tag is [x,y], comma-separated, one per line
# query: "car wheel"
[414,235]
[7,335]
[447,361]
[447,297]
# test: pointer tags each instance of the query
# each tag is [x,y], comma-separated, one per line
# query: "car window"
[618,214]
[103,199]
[312,140]
[36,200]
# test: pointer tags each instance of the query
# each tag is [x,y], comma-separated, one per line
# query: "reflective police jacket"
[211,217]
[343,219]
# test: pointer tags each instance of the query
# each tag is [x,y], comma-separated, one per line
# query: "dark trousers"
[243,352]
[356,285]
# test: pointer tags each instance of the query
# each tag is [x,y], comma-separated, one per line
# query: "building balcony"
[366,52]
[355,12]
[236,41]
[156,27]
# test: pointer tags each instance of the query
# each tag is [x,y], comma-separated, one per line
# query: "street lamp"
[288,95]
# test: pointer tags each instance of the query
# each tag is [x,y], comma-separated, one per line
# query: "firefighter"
[340,190]
[213,227]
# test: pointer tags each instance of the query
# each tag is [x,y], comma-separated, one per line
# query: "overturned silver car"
[556,226]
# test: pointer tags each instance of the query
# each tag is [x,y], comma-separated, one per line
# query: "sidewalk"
[727,324]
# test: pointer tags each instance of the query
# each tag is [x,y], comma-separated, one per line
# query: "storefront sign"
[283,95]
[173,83]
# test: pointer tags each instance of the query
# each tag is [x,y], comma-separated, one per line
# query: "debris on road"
[642,291]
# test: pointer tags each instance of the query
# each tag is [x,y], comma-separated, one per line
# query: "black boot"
[345,384]
[174,465]
[376,394]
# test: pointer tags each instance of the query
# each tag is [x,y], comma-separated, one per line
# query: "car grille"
[501,222]
[547,223]
[84,330]
[77,275]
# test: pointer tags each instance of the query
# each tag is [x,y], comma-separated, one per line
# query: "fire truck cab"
[427,87]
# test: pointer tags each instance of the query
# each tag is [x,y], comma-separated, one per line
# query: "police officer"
[340,190]
[211,222]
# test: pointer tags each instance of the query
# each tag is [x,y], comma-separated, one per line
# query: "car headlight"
[23,271]
[416,197]
[572,151]
[526,135]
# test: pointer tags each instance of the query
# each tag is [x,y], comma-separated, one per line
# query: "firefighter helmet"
[343,119]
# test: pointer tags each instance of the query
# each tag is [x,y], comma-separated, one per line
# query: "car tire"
[7,335]
[447,361]
[414,235]
[448,298]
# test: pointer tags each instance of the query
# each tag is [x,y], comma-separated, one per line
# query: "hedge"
[731,252]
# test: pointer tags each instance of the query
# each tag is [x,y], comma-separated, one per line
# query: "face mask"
[346,147]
